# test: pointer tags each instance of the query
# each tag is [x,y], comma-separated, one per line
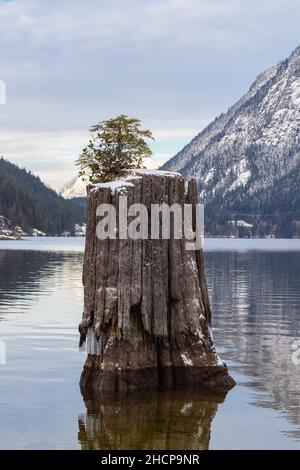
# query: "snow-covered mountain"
[74,188]
[247,161]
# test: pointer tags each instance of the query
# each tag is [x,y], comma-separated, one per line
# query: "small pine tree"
[117,144]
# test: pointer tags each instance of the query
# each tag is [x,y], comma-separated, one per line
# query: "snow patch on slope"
[75,188]
[243,175]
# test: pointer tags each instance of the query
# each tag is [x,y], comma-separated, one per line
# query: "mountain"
[247,161]
[26,202]
[75,188]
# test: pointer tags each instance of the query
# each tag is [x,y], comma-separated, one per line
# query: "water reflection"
[256,317]
[24,275]
[256,304]
[20,271]
[151,420]
[255,298]
[40,308]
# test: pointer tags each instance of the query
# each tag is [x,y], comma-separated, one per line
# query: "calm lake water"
[255,294]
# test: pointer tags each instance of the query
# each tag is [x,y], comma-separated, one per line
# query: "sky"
[174,64]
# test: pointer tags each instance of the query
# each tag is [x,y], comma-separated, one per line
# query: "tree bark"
[146,315]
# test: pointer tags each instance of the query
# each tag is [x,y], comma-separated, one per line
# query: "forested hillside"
[29,203]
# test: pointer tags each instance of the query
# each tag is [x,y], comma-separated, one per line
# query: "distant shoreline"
[77,244]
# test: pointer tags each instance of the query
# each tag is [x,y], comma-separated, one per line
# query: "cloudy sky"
[175,64]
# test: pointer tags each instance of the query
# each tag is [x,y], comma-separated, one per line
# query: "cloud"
[114,20]
[52,155]
[175,64]
[175,134]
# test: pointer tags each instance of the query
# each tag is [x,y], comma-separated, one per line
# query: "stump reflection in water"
[148,420]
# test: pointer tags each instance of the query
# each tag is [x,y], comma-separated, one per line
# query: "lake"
[254,289]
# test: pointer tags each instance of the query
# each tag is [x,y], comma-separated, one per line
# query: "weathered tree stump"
[146,315]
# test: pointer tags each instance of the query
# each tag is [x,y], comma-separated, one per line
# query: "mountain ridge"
[241,157]
[25,201]
[75,188]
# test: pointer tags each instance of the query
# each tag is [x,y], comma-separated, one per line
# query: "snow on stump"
[146,319]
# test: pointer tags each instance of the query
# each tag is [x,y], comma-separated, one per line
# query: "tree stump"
[147,316]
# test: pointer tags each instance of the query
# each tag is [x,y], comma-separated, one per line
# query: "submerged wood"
[147,316]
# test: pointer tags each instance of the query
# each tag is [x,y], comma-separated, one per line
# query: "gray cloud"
[175,64]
